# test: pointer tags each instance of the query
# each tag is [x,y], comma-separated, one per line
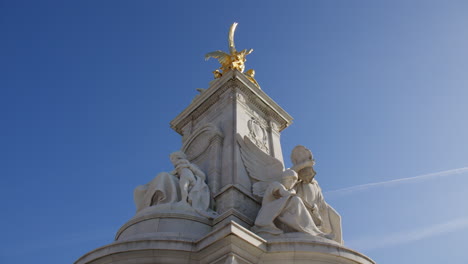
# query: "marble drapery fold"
[284,208]
[330,220]
[163,189]
[184,188]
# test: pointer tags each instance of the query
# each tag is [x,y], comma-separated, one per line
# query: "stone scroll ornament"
[183,189]
[290,203]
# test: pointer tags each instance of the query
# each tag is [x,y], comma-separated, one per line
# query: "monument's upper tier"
[232,80]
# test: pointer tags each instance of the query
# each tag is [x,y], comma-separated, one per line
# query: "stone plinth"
[231,243]
[154,223]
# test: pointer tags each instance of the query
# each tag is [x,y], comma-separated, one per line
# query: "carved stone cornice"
[233,80]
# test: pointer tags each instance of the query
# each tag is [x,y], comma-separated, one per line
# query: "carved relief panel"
[258,134]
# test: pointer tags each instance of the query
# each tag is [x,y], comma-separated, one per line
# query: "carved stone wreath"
[258,134]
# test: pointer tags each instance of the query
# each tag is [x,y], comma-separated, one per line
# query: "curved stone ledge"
[126,250]
[151,224]
[319,247]
[231,241]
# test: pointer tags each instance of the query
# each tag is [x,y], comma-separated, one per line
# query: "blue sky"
[378,92]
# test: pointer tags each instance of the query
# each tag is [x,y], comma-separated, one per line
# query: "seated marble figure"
[288,206]
[309,190]
[184,188]
[283,211]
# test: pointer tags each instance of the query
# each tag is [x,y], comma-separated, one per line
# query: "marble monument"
[229,198]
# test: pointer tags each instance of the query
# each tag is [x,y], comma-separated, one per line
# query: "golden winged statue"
[233,59]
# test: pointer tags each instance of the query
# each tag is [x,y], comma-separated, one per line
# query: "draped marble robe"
[311,194]
[164,189]
[282,207]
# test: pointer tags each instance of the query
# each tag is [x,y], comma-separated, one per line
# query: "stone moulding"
[231,80]
[232,241]
[232,212]
[162,215]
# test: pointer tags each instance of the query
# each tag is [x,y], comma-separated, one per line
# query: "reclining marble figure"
[184,189]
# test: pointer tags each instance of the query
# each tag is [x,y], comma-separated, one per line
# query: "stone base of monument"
[231,243]
[169,220]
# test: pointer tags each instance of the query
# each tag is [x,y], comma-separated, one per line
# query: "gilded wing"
[260,166]
[222,56]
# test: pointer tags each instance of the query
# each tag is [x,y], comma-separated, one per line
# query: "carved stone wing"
[260,166]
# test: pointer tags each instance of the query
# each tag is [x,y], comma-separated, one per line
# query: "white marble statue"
[283,211]
[184,189]
[308,203]
[309,190]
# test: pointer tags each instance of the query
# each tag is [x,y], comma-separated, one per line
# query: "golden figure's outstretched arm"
[232,46]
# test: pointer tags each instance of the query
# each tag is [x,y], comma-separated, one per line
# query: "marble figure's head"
[301,154]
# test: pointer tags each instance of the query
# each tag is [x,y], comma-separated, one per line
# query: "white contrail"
[402,237]
[398,181]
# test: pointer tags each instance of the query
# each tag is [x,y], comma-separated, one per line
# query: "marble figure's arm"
[197,171]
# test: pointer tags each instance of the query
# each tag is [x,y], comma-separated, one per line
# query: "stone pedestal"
[232,105]
[228,244]
[175,223]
